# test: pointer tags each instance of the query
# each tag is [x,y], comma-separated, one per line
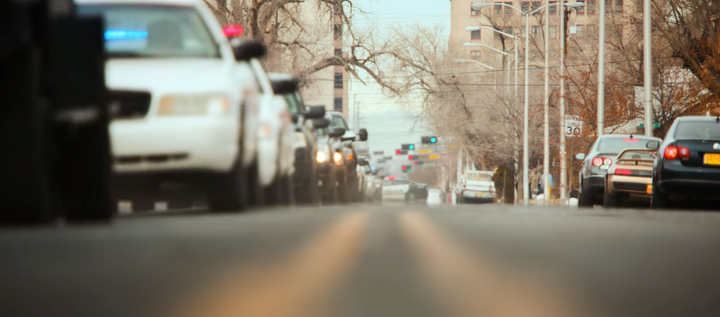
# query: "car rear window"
[697,130]
[638,155]
[616,145]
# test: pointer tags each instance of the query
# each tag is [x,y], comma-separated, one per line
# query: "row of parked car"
[672,173]
[194,111]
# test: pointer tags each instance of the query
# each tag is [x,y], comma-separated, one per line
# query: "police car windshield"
[136,30]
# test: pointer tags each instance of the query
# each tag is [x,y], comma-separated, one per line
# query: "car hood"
[163,75]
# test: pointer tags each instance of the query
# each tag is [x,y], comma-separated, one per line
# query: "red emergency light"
[233,30]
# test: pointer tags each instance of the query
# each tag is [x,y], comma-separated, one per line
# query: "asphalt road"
[368,260]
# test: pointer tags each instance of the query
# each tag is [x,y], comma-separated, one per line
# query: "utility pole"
[563,164]
[601,74]
[647,39]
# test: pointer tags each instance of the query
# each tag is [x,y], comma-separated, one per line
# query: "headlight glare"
[320,157]
[337,157]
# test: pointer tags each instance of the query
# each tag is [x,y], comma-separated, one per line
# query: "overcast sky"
[390,123]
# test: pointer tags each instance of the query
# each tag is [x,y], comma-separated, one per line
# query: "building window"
[474,12]
[639,5]
[498,9]
[338,80]
[579,31]
[475,54]
[618,6]
[337,29]
[508,7]
[590,6]
[508,30]
[535,31]
[552,32]
[552,7]
[580,10]
[337,104]
[608,6]
[525,7]
[338,52]
[475,35]
[535,5]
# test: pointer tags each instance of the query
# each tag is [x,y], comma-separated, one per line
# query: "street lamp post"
[498,51]
[526,190]
[476,62]
[601,74]
[476,28]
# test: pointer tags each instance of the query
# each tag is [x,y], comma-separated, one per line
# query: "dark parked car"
[329,159]
[305,176]
[596,163]
[349,190]
[687,165]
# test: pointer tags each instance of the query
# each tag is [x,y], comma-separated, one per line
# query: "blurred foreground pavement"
[361,261]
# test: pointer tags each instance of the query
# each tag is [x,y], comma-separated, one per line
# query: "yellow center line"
[298,286]
[470,284]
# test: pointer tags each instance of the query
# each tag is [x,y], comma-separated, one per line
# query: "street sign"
[573,126]
[425,151]
[434,157]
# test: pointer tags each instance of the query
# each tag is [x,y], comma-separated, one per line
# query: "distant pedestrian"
[534,182]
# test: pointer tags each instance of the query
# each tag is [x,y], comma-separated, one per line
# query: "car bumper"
[174,144]
[628,184]
[674,178]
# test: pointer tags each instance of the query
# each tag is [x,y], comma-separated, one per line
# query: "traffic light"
[401,152]
[408,147]
[418,162]
[406,168]
[412,157]
[429,139]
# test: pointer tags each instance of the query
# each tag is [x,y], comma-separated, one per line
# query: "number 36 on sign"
[573,126]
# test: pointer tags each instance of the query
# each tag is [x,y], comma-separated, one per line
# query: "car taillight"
[683,152]
[622,171]
[599,161]
[672,152]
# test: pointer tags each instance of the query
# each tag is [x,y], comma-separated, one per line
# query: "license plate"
[712,159]
[480,195]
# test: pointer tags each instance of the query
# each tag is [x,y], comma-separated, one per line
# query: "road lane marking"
[297,286]
[470,285]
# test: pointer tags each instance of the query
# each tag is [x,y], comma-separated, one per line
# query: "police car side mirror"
[337,132]
[245,50]
[580,156]
[363,134]
[653,145]
[321,123]
[315,112]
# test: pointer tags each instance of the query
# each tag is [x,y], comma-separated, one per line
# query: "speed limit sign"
[573,126]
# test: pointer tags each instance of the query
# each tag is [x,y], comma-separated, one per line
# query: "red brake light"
[599,161]
[398,152]
[683,152]
[671,152]
[622,171]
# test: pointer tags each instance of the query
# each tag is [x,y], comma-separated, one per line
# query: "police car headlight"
[321,157]
[193,105]
[338,158]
